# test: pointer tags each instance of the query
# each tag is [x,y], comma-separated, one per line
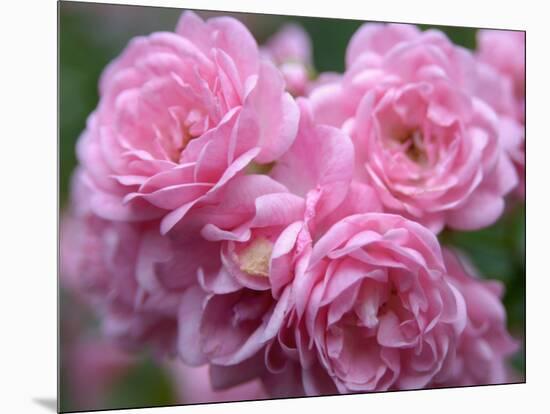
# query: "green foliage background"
[91,35]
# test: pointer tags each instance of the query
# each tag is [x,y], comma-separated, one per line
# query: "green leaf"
[146,384]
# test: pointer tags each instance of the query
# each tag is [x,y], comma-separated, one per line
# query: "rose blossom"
[131,275]
[485,343]
[379,310]
[292,364]
[504,50]
[290,49]
[105,259]
[179,115]
[358,314]
[234,318]
[233,307]
[427,144]
[502,83]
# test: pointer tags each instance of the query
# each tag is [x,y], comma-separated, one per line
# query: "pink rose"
[130,274]
[485,343]
[290,49]
[180,114]
[233,309]
[379,309]
[263,230]
[236,312]
[424,141]
[504,50]
[294,368]
[502,83]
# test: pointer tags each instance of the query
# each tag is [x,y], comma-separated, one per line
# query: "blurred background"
[96,375]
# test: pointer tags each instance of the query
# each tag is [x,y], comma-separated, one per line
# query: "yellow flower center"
[254,259]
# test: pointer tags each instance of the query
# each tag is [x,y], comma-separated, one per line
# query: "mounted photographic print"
[259,206]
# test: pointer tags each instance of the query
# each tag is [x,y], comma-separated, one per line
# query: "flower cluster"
[230,210]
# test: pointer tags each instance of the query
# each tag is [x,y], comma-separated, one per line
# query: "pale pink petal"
[276,113]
